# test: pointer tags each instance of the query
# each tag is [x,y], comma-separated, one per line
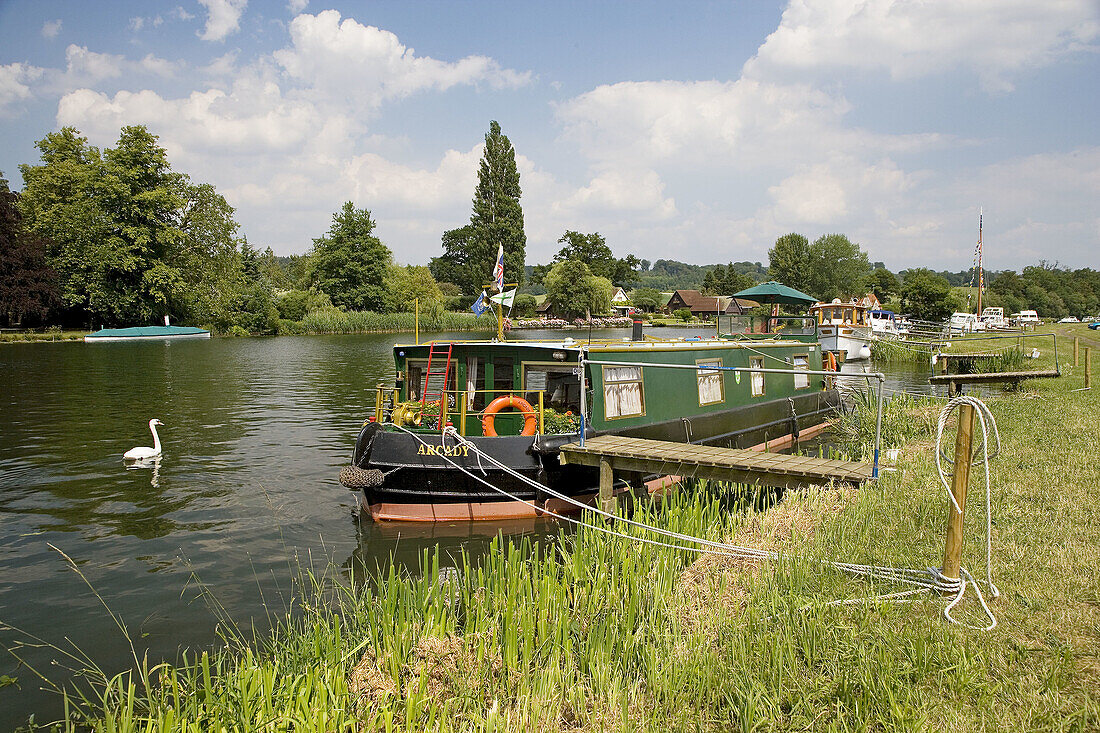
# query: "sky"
[694,131]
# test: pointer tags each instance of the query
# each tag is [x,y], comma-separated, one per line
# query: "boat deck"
[613,452]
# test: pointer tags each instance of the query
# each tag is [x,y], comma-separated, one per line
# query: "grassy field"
[594,632]
[50,334]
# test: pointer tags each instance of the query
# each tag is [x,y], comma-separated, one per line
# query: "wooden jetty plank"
[993,377]
[713,462]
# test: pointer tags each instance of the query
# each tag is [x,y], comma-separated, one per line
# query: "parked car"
[1094,325]
[1069,319]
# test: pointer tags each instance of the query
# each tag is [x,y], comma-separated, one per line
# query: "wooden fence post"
[1076,346]
[1088,367]
[952,553]
[607,485]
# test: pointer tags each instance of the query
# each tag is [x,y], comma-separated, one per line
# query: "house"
[869,301]
[705,306]
[618,297]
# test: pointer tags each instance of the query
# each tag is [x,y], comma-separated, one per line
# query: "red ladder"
[435,381]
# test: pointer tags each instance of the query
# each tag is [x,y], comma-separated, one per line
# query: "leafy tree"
[28,285]
[926,295]
[726,280]
[470,252]
[789,262]
[684,314]
[883,284]
[573,290]
[838,267]
[350,264]
[592,250]
[404,285]
[647,299]
[525,305]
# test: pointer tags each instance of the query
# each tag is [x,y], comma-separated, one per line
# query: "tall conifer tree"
[470,252]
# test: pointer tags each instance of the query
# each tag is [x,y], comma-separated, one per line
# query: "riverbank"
[598,632]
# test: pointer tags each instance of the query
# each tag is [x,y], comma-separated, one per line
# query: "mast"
[981,280]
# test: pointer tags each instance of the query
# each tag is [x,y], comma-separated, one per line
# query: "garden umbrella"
[775,293]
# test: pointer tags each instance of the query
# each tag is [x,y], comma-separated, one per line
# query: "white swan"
[138,454]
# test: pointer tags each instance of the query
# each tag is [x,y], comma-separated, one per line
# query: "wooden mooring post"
[1088,367]
[964,440]
[1076,347]
[607,485]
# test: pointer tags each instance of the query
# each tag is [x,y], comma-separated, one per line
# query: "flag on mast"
[480,306]
[498,270]
[505,299]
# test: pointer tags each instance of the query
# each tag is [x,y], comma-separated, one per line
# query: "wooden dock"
[955,382]
[638,455]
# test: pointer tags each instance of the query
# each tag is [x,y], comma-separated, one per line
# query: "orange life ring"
[530,419]
[830,362]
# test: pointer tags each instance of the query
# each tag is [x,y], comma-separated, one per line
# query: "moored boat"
[472,430]
[146,333]
[843,329]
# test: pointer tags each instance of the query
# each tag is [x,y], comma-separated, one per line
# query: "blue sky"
[695,131]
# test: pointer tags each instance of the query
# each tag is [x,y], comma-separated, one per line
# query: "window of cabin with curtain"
[757,362]
[710,381]
[801,361]
[622,392]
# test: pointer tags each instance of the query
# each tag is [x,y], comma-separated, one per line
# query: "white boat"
[844,329]
[964,323]
[994,319]
[884,324]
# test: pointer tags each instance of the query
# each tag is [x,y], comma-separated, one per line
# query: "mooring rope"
[929,579]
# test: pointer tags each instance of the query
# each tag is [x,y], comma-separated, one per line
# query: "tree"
[926,295]
[350,264]
[789,262]
[723,280]
[838,267]
[573,290]
[470,252]
[405,285]
[647,299]
[592,250]
[28,285]
[883,284]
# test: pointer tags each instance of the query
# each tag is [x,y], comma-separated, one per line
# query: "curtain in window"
[710,383]
[622,392]
[757,377]
[801,380]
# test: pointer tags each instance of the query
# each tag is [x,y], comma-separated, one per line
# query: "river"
[255,431]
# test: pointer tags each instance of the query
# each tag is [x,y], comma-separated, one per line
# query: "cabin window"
[801,361]
[418,374]
[622,392]
[757,362]
[475,383]
[710,381]
[560,387]
[503,375]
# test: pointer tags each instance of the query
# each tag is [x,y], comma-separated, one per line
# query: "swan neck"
[156,438]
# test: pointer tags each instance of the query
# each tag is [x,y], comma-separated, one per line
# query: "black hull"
[425,469]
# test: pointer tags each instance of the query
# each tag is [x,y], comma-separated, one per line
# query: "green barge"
[518,402]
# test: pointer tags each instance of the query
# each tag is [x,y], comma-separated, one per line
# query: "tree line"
[117,237]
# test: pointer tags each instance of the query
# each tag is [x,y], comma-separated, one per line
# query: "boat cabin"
[624,383]
[840,314]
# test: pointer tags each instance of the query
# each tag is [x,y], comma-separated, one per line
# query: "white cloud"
[51,28]
[330,57]
[640,193]
[913,39]
[222,18]
[180,14]
[297,6]
[13,85]
[137,23]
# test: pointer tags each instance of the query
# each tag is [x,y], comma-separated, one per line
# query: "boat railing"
[755,325]
[454,406]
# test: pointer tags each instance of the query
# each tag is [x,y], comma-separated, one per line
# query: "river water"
[255,431]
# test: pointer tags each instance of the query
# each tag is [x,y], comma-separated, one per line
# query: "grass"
[50,334]
[897,350]
[597,633]
[337,321]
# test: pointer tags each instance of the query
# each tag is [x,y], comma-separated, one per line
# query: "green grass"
[891,350]
[50,334]
[596,633]
[337,321]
